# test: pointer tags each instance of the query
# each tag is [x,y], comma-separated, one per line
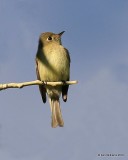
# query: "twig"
[36,82]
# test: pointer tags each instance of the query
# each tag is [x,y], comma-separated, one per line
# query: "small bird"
[53,64]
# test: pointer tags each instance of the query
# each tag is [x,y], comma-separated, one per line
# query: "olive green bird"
[53,64]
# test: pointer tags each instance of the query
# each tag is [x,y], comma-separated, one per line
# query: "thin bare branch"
[36,82]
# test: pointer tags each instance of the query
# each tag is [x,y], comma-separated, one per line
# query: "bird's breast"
[54,64]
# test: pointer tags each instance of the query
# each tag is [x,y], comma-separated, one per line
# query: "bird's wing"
[41,87]
[65,87]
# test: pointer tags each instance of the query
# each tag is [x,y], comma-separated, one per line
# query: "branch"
[36,82]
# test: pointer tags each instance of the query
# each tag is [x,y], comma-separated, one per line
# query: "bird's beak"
[60,34]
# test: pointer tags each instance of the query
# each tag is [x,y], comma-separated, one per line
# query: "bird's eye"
[49,38]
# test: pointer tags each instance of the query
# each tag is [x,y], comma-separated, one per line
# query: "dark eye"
[49,38]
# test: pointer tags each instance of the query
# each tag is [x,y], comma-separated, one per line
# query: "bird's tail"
[57,119]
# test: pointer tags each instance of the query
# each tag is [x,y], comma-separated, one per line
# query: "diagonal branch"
[36,82]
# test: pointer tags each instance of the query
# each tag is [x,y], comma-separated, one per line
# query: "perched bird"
[53,64]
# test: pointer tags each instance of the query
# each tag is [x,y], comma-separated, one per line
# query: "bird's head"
[50,38]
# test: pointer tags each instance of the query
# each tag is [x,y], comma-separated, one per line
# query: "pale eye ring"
[49,38]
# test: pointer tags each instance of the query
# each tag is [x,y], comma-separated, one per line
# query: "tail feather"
[57,119]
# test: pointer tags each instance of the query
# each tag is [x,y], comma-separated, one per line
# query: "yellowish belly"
[54,65]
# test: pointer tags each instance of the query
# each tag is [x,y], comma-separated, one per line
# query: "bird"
[53,65]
